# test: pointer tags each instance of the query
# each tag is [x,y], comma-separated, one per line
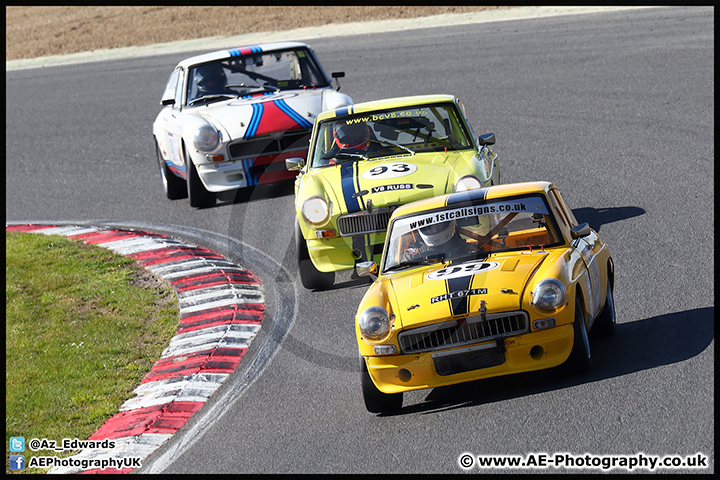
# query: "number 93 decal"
[464,270]
[389,170]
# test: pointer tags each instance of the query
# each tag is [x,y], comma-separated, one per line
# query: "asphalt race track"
[615,108]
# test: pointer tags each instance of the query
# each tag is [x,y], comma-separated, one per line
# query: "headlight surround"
[468,182]
[316,210]
[549,294]
[374,323]
[206,138]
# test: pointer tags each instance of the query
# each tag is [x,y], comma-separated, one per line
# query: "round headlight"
[467,183]
[316,210]
[374,323]
[549,294]
[206,138]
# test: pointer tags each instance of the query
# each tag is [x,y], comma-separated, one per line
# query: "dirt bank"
[32,32]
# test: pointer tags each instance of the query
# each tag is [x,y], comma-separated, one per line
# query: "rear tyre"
[311,277]
[580,359]
[173,186]
[197,193]
[375,400]
[606,322]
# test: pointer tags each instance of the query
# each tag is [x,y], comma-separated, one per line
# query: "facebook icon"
[17,462]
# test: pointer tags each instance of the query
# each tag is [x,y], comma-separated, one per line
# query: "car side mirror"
[582,230]
[167,101]
[366,269]
[295,163]
[337,75]
[487,139]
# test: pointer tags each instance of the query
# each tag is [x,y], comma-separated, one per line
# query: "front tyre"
[606,322]
[580,359]
[198,195]
[375,400]
[173,186]
[311,277]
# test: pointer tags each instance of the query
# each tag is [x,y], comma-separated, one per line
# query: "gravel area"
[40,31]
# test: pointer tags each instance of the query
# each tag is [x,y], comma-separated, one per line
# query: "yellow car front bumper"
[341,253]
[523,353]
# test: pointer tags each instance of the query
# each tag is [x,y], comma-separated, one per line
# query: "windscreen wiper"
[212,98]
[414,263]
[344,156]
[250,88]
[387,143]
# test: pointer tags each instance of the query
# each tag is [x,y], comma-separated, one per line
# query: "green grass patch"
[83,326]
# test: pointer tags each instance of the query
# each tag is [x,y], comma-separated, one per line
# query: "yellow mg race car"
[367,159]
[477,284]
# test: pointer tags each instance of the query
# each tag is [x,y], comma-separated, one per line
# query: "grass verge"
[83,326]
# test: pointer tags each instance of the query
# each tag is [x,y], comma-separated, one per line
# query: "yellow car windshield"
[471,231]
[401,131]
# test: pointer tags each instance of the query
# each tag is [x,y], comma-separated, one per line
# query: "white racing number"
[389,170]
[464,270]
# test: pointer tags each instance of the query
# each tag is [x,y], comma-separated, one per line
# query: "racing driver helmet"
[438,234]
[351,136]
[210,79]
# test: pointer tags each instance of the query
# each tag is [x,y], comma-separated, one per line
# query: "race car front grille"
[364,222]
[466,360]
[456,333]
[266,145]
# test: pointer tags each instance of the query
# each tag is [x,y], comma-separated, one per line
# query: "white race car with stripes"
[230,118]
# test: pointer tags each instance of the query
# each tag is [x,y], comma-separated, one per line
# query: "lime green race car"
[367,159]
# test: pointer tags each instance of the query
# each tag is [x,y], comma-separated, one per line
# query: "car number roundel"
[464,270]
[389,170]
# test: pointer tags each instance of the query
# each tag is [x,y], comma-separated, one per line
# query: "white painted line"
[233,291]
[235,339]
[232,336]
[238,343]
[217,304]
[66,230]
[201,270]
[218,331]
[180,265]
[180,382]
[138,244]
[195,393]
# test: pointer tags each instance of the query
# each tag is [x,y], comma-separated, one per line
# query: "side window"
[566,209]
[311,74]
[179,86]
[464,115]
[170,88]
[323,143]
[456,131]
[559,212]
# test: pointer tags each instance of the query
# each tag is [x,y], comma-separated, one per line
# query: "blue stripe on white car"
[304,123]
[254,120]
